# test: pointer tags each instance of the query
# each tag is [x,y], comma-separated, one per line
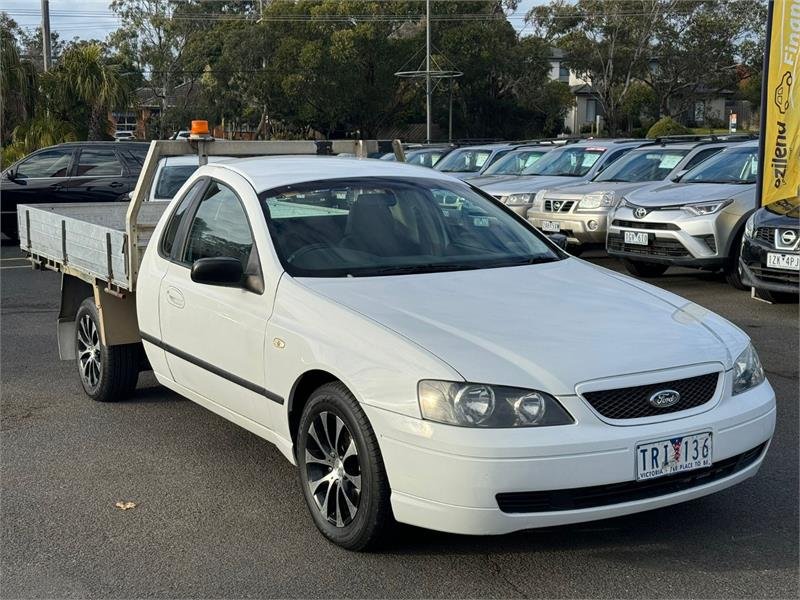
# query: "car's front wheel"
[644,269]
[341,469]
[733,272]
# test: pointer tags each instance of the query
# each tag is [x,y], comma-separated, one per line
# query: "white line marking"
[16,267]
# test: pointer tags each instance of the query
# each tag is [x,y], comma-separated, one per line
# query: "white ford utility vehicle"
[355,313]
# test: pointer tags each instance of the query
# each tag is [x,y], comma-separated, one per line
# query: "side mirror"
[11,174]
[218,271]
[679,175]
[559,239]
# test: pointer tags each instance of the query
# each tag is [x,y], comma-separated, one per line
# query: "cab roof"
[268,172]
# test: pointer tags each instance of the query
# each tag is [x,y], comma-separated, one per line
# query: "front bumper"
[580,228]
[675,237]
[448,478]
[755,273]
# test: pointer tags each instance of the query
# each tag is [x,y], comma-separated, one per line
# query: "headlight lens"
[747,371]
[538,199]
[490,406]
[749,226]
[517,199]
[597,200]
[705,208]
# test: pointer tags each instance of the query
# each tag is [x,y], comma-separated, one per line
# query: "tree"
[605,43]
[18,81]
[84,74]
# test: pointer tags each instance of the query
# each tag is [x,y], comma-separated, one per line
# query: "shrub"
[667,126]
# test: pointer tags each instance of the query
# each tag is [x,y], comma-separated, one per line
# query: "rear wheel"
[108,373]
[341,469]
[644,269]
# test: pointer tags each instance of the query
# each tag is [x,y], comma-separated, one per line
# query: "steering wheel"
[306,249]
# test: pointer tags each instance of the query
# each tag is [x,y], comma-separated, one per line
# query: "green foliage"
[39,132]
[667,126]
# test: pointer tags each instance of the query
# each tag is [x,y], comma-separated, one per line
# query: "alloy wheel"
[333,471]
[89,351]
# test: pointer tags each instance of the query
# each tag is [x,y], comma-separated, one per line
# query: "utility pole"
[428,90]
[46,34]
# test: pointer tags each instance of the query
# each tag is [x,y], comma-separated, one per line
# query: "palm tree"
[18,85]
[99,85]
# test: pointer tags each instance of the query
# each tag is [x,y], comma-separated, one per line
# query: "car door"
[99,176]
[40,178]
[214,336]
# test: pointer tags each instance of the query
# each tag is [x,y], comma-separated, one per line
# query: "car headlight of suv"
[747,371]
[597,200]
[538,199]
[705,208]
[749,226]
[517,199]
[488,406]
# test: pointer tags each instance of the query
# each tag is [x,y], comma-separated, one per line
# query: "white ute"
[417,350]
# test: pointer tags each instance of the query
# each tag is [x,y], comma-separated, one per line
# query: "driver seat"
[371,228]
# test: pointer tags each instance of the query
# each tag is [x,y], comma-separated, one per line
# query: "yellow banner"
[781,166]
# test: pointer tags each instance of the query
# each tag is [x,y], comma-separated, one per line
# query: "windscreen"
[650,165]
[464,161]
[569,162]
[424,158]
[382,226]
[739,165]
[515,162]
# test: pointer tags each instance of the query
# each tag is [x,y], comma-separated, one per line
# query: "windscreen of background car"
[515,163]
[424,158]
[171,179]
[653,165]
[381,226]
[464,161]
[569,162]
[738,165]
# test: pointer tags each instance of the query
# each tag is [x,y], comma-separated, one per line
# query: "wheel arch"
[300,393]
[736,233]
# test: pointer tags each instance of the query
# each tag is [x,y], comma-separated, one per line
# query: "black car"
[770,259]
[71,172]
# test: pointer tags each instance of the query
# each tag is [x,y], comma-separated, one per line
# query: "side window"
[168,238]
[98,163]
[51,163]
[612,158]
[700,157]
[219,228]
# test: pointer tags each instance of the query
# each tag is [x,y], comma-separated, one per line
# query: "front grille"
[646,225]
[558,205]
[634,402]
[658,247]
[710,241]
[628,491]
[775,275]
[766,234]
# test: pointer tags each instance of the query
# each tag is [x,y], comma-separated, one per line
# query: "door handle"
[56,187]
[175,297]
[116,184]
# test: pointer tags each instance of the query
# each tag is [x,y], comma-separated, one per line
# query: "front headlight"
[705,208]
[597,200]
[538,199]
[517,199]
[490,406]
[747,371]
[749,226]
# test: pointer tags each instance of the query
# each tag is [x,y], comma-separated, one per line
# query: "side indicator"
[279,343]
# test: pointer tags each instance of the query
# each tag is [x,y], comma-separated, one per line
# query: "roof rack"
[707,138]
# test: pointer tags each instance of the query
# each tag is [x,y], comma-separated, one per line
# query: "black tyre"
[644,269]
[107,373]
[575,250]
[733,273]
[341,469]
[778,297]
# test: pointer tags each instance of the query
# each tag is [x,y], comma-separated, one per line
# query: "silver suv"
[580,211]
[696,221]
[566,165]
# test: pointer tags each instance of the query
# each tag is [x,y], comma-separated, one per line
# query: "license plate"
[634,237]
[675,455]
[551,226]
[790,262]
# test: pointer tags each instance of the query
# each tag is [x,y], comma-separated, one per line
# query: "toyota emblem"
[640,213]
[788,237]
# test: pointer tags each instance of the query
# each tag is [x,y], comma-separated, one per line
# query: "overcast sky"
[93,19]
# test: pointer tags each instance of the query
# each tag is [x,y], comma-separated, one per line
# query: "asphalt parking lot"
[220,514]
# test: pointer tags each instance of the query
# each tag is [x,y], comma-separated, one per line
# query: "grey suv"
[696,221]
[566,165]
[580,211]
